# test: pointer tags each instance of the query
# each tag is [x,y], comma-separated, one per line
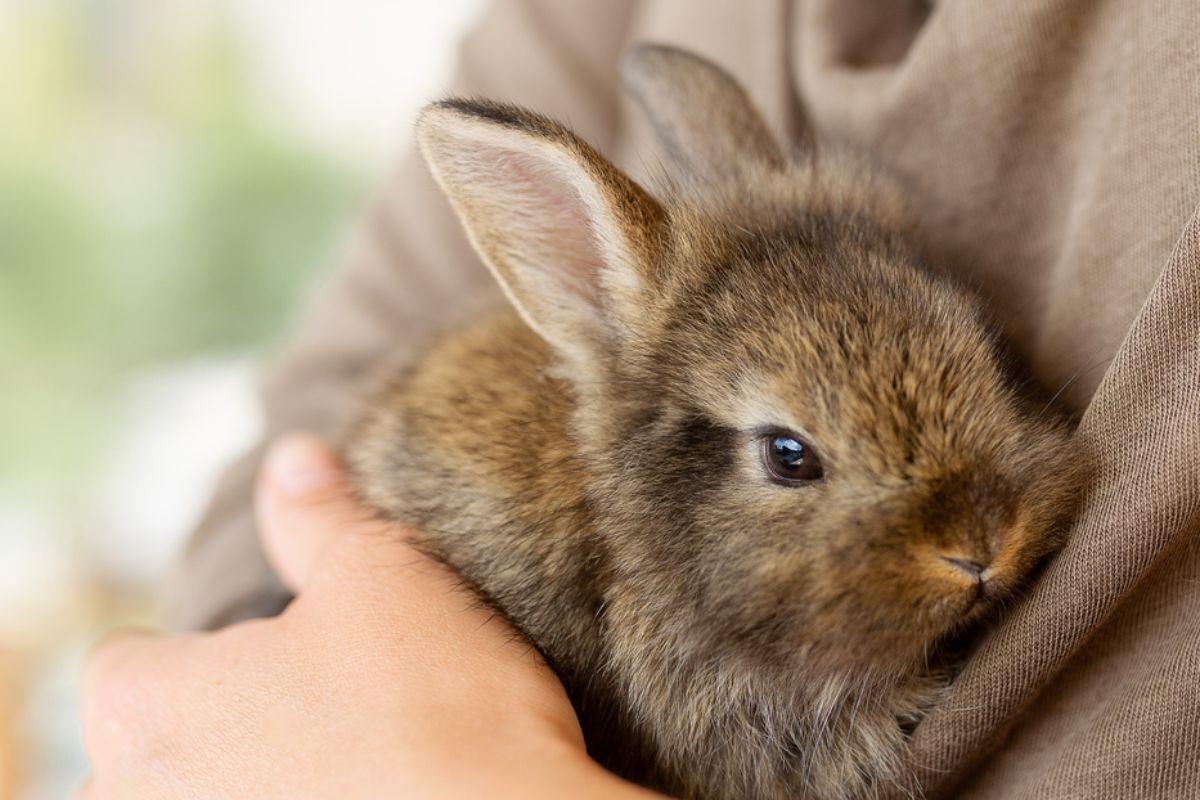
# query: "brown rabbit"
[737,464]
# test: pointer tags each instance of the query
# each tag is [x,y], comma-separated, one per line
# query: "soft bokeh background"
[174,175]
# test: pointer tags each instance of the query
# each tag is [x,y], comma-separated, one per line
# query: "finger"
[303,504]
[310,521]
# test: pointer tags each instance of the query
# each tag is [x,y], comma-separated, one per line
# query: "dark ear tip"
[440,121]
[490,112]
[475,108]
[440,112]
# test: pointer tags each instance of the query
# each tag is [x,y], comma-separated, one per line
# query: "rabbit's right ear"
[570,238]
[710,127]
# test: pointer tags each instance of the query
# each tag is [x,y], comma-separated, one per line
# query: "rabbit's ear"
[708,124]
[570,238]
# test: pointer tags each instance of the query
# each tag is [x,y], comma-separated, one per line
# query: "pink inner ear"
[554,252]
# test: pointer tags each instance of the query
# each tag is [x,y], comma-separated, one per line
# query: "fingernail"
[300,463]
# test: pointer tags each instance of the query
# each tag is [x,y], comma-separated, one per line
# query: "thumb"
[303,503]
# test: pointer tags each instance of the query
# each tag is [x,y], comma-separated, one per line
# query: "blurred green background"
[145,214]
[174,177]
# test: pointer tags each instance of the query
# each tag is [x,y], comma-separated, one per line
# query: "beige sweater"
[1053,149]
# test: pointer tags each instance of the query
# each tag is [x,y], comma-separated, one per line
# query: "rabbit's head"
[805,454]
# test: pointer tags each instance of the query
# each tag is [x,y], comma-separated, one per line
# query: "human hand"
[385,677]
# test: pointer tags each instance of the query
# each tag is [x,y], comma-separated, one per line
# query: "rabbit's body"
[507,499]
[605,466]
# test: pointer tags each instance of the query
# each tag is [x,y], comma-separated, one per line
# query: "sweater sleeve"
[407,271]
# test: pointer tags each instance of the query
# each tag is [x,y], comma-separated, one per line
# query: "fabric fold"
[1143,428]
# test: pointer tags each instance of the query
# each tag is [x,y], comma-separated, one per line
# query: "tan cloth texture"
[1052,149]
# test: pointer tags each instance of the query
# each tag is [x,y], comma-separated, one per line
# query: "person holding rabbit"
[1045,154]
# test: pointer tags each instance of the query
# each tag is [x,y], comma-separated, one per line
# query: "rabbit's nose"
[968,566]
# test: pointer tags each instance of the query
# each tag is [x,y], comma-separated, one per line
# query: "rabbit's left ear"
[571,239]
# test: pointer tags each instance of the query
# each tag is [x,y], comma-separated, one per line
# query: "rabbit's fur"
[592,461]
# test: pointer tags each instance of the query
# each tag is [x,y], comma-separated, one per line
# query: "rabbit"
[736,460]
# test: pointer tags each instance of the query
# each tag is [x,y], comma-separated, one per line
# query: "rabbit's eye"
[790,460]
